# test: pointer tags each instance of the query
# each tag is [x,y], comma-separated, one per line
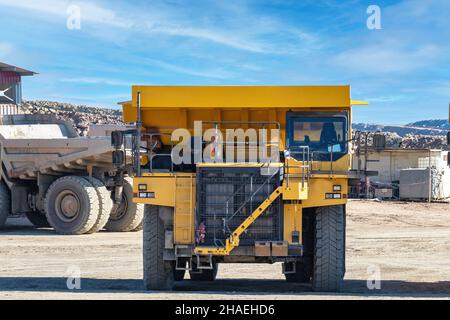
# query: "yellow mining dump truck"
[263,179]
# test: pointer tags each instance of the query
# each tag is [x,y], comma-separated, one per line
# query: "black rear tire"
[178,275]
[205,274]
[329,249]
[38,219]
[158,274]
[129,215]
[303,272]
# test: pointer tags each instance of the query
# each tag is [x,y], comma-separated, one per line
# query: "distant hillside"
[424,127]
[436,124]
[419,134]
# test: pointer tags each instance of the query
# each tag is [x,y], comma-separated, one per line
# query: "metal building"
[11,88]
[395,168]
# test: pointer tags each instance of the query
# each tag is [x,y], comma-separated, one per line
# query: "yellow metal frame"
[171,190]
[295,190]
[292,221]
[242,96]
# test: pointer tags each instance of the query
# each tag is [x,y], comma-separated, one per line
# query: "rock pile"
[437,124]
[409,141]
[81,116]
[428,142]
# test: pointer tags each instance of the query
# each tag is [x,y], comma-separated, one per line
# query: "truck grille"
[227,196]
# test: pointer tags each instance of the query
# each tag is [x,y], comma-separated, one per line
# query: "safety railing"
[151,149]
[304,167]
[244,146]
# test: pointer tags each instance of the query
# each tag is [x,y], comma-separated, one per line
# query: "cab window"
[323,135]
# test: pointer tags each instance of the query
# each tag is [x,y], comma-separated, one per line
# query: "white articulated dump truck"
[61,180]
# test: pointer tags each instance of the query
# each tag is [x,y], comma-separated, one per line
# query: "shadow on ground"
[22,227]
[256,287]
[226,286]
[23,230]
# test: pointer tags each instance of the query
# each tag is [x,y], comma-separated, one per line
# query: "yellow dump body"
[170,107]
[166,108]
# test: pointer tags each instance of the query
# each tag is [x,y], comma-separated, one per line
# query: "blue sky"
[403,70]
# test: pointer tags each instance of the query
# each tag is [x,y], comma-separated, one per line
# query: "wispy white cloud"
[389,98]
[45,6]
[168,23]
[89,80]
[434,88]
[410,40]
[6,49]
[386,58]
[216,73]
[211,35]
[90,11]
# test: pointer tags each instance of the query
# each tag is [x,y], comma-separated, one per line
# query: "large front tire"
[158,274]
[329,249]
[5,203]
[128,216]
[71,205]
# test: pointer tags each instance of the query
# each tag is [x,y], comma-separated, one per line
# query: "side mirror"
[448,138]
[117,139]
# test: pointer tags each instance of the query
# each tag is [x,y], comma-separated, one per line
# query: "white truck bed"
[34,143]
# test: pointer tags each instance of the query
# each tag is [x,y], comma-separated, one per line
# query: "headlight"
[333,196]
[146,194]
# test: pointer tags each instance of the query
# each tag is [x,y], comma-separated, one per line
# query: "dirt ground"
[408,244]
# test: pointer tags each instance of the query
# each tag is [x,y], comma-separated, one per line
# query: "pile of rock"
[81,116]
[427,142]
[409,141]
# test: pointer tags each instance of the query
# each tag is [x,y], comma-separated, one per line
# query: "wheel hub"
[67,206]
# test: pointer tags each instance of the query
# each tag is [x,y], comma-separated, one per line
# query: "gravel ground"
[408,243]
